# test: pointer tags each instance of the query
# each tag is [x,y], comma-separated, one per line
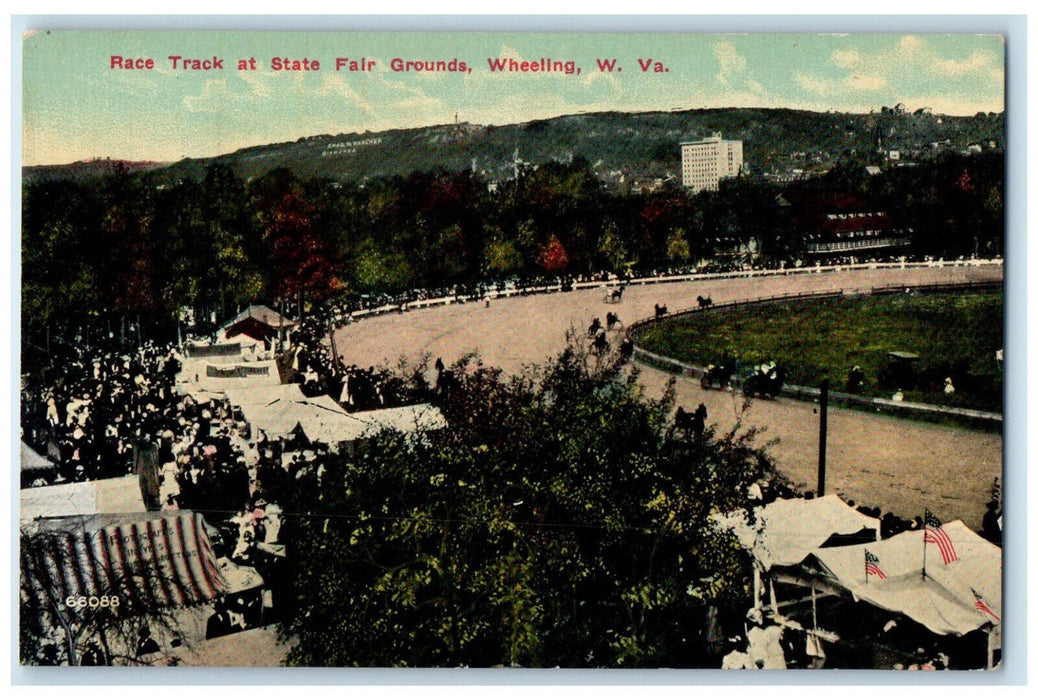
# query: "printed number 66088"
[93,602]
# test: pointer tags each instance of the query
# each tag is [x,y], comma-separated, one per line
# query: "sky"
[76,106]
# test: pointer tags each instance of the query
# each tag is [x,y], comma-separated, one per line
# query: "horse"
[704,302]
[626,349]
[683,420]
[446,382]
[661,311]
[699,421]
[617,295]
[611,320]
[600,344]
[691,423]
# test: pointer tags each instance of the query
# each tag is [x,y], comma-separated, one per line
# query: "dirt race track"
[901,465]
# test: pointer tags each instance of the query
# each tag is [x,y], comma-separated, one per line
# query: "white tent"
[417,418]
[263,395]
[219,354]
[278,410]
[944,600]
[325,421]
[118,495]
[31,459]
[203,377]
[786,531]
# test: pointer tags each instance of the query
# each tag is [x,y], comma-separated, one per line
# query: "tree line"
[115,248]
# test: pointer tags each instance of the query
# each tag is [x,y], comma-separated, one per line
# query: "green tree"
[59,232]
[677,246]
[557,520]
[612,248]
[502,257]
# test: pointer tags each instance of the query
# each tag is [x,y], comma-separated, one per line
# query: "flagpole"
[924,543]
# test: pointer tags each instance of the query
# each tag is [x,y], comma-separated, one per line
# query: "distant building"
[705,163]
[840,223]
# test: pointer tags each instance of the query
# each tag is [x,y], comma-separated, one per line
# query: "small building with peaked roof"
[256,321]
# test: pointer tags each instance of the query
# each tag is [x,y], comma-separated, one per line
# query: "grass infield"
[818,339]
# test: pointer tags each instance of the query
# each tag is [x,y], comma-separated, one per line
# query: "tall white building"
[705,163]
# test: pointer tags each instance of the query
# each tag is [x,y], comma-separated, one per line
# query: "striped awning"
[149,561]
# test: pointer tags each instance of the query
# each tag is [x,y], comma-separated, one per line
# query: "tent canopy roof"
[201,376]
[786,531]
[31,459]
[943,601]
[119,495]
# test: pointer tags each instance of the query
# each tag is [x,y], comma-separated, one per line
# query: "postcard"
[512,350]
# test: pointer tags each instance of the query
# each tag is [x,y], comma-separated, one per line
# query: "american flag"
[935,534]
[983,606]
[872,566]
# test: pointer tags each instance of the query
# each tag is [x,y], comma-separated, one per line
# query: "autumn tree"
[553,257]
[301,259]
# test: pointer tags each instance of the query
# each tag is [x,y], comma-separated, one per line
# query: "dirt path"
[900,465]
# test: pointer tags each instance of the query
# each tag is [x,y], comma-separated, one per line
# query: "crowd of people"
[99,410]
[104,411]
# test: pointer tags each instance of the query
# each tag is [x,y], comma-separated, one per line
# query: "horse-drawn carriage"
[615,296]
[717,376]
[764,382]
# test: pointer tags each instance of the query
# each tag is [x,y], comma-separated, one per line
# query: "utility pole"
[823,427]
[331,338]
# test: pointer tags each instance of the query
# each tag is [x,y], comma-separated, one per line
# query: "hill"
[624,148]
[86,169]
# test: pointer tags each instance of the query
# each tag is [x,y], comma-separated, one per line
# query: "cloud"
[977,62]
[812,84]
[731,62]
[757,89]
[865,82]
[258,82]
[914,55]
[846,58]
[840,86]
[961,106]
[910,43]
[397,94]
[418,102]
[213,98]
[335,86]
[593,77]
